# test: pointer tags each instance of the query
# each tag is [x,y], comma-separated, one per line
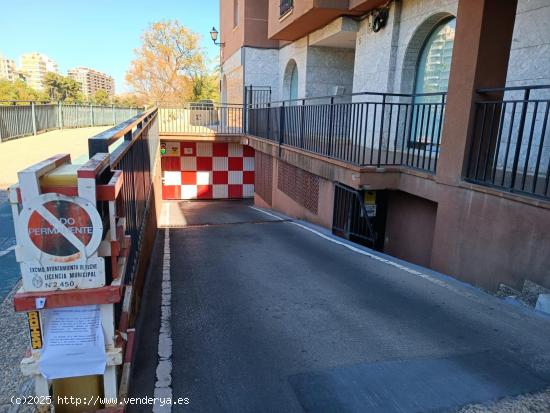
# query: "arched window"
[434,62]
[432,76]
[293,91]
[290,81]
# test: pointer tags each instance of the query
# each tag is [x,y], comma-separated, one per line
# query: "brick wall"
[263,184]
[299,185]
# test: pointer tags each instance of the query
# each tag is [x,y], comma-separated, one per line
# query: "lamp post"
[214,36]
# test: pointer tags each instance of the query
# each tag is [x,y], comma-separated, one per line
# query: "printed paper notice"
[73,342]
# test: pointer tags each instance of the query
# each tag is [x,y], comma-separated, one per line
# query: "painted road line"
[163,385]
[376,257]
[268,213]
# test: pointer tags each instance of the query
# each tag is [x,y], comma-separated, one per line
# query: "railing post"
[33,114]
[268,121]
[302,124]
[381,129]
[113,114]
[281,124]
[517,153]
[59,115]
[330,126]
[91,115]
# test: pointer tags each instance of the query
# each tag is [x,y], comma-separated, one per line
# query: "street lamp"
[214,37]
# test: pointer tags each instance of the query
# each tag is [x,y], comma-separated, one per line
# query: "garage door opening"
[206,170]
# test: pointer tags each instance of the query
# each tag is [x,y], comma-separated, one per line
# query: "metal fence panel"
[18,119]
[46,117]
[15,121]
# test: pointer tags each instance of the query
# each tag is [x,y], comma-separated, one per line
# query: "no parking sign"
[59,238]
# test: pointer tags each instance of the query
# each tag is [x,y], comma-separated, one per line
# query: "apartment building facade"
[34,67]
[92,81]
[433,113]
[7,69]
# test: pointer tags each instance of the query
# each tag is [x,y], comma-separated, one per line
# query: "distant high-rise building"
[92,80]
[7,69]
[51,65]
[35,66]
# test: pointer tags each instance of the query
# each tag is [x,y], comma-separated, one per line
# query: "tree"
[62,88]
[167,64]
[19,90]
[101,97]
[206,86]
[128,100]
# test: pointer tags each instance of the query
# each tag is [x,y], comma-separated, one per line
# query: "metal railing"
[24,118]
[350,217]
[509,148]
[200,118]
[132,145]
[366,129]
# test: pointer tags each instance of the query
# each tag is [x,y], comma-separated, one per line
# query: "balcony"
[293,19]
[363,129]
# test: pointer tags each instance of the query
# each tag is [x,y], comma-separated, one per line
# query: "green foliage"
[101,97]
[62,88]
[19,90]
[206,87]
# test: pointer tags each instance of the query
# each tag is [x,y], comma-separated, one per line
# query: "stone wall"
[232,78]
[328,67]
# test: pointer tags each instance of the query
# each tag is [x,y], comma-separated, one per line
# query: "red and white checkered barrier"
[207,170]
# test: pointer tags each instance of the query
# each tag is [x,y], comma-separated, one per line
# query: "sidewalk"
[20,153]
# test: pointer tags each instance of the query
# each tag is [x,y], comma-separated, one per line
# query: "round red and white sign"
[61,228]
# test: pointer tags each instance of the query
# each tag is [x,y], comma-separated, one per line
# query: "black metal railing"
[509,146]
[201,118]
[285,6]
[366,129]
[350,217]
[132,145]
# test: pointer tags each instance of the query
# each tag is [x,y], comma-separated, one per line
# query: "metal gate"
[257,95]
[350,217]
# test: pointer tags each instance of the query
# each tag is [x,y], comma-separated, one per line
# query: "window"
[434,63]
[290,81]
[235,13]
[285,6]
[432,76]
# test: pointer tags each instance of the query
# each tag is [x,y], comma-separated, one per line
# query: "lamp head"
[214,34]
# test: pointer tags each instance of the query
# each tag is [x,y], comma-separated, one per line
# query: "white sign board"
[73,342]
[59,238]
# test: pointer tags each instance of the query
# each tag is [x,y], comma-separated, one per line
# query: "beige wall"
[282,202]
[410,227]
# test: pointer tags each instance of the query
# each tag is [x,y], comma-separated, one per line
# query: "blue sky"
[101,34]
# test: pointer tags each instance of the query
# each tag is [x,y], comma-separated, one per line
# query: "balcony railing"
[201,118]
[365,129]
[285,6]
[510,149]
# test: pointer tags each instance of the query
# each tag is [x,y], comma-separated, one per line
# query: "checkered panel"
[207,170]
